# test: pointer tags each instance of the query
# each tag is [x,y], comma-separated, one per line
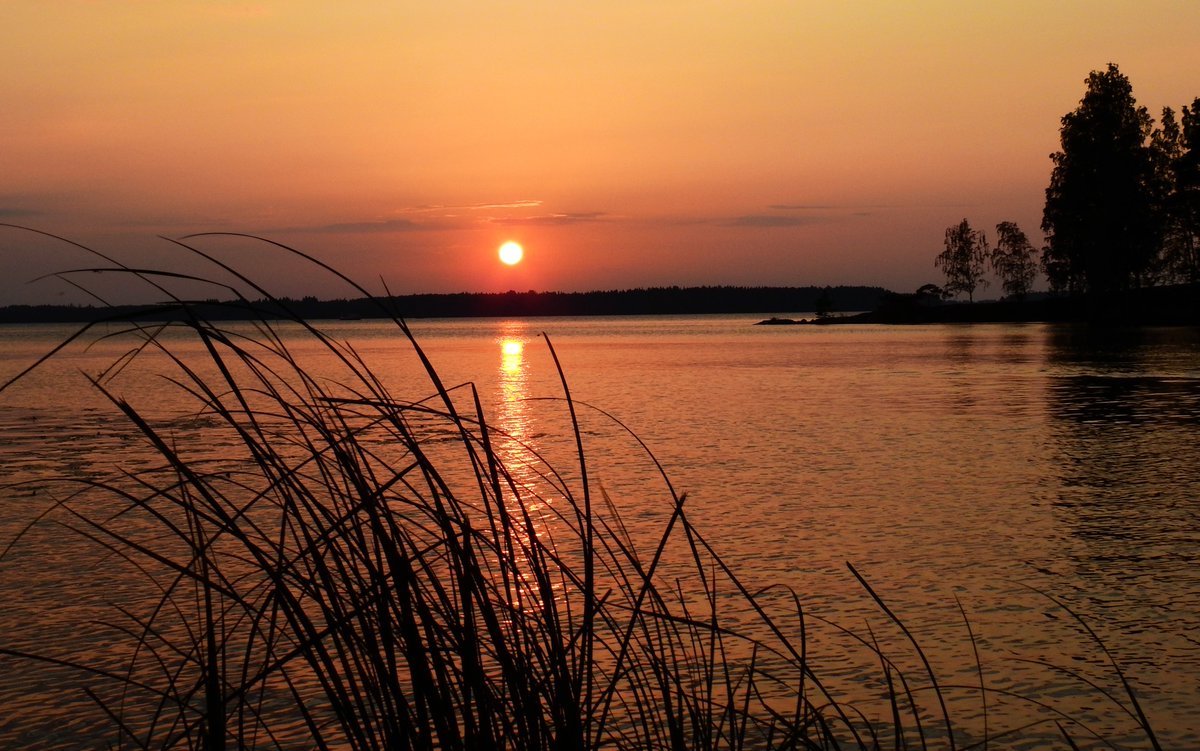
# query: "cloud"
[10,213]
[445,217]
[522,204]
[769,220]
[554,220]
[176,222]
[24,205]
[363,228]
[798,215]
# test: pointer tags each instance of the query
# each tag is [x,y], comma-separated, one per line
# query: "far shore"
[512,304]
[1176,305]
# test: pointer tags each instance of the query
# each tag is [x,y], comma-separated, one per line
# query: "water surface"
[992,467]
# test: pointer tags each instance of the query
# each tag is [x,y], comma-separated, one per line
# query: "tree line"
[1122,208]
[641,301]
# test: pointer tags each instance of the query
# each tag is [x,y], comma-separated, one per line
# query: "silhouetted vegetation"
[1014,260]
[645,301]
[1123,205]
[1177,161]
[963,259]
[824,306]
[1173,305]
[1122,213]
[1102,222]
[966,257]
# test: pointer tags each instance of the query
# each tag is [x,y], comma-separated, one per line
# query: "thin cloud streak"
[552,220]
[451,222]
[770,221]
[524,204]
[18,213]
[360,228]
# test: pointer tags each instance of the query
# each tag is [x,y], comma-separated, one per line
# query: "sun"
[511,253]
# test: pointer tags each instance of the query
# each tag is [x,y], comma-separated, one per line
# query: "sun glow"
[511,253]
[513,348]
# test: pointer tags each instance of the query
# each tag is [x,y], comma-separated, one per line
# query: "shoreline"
[1175,305]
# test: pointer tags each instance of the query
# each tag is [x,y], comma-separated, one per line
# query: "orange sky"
[623,143]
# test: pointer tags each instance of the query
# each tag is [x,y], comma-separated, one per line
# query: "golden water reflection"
[513,413]
[513,417]
[527,490]
[513,351]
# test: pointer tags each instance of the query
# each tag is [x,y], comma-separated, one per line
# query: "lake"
[992,467]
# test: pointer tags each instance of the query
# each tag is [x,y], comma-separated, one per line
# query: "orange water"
[969,463]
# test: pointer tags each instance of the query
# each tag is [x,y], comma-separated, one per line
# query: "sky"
[623,144]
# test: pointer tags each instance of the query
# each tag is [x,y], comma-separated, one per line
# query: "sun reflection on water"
[513,418]
[513,414]
[512,350]
[528,491]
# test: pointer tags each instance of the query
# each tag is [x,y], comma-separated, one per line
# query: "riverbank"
[1175,305]
[512,304]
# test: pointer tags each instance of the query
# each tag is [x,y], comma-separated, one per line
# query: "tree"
[1177,161]
[824,304]
[1166,148]
[1100,221]
[1013,260]
[963,259]
[1187,186]
[929,293]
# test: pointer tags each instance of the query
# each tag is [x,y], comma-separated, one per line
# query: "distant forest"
[648,301]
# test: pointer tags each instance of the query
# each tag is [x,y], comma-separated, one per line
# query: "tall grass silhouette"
[365,572]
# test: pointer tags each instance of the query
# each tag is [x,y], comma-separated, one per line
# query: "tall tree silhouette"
[1166,149]
[1177,154]
[1014,260]
[1101,226]
[963,259]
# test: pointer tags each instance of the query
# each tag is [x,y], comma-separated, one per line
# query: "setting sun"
[511,253]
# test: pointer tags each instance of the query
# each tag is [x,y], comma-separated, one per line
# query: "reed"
[366,572]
